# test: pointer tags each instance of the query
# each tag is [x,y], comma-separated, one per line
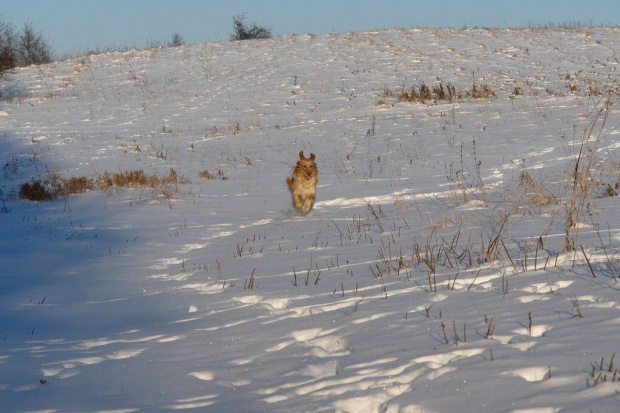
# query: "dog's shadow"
[294,213]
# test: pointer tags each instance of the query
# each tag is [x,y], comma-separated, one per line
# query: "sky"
[78,26]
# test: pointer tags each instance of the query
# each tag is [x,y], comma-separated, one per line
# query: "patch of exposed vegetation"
[448,93]
[54,188]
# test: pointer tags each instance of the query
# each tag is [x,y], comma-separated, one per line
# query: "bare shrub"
[243,31]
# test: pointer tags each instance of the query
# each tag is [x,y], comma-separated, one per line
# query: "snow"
[217,296]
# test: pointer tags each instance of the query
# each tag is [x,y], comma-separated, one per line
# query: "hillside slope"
[433,271]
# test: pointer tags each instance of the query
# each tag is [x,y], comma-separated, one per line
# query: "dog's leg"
[310,201]
[298,202]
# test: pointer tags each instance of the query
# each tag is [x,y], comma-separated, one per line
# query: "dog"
[303,183]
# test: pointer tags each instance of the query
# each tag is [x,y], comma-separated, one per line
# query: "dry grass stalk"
[588,261]
[535,191]
[490,328]
[249,283]
[576,307]
[581,175]
[445,336]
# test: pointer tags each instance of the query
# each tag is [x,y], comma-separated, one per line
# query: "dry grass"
[483,92]
[54,187]
[584,162]
[208,175]
[424,94]
[136,178]
[36,191]
[78,185]
[439,92]
[535,191]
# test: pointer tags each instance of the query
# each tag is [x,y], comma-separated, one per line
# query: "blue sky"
[75,26]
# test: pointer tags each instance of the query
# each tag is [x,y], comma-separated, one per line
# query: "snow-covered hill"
[432,274]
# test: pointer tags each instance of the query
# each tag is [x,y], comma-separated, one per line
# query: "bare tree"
[32,48]
[7,47]
[242,31]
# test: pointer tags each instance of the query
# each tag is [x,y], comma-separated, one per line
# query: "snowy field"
[438,271]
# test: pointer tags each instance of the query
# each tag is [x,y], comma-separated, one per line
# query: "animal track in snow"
[329,346]
[372,363]
[248,299]
[228,325]
[373,402]
[371,317]
[191,247]
[270,304]
[280,346]
[68,368]
[391,381]
[318,371]
[209,288]
[597,302]
[257,223]
[193,402]
[537,331]
[545,288]
[530,298]
[276,303]
[165,263]
[530,373]
[323,343]
[95,348]
[206,375]
[436,361]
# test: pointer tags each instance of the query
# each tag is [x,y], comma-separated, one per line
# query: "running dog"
[303,183]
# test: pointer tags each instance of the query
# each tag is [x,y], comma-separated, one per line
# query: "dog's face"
[307,166]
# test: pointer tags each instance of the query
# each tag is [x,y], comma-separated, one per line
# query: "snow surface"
[131,300]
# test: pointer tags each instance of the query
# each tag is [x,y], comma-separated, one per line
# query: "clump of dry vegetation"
[136,178]
[583,182]
[439,92]
[78,185]
[483,92]
[54,187]
[36,191]
[423,94]
[208,175]
[535,191]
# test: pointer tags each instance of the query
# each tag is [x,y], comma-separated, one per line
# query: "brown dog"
[303,182]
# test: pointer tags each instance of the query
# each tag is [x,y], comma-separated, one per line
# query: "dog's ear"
[301,155]
[297,163]
[312,156]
